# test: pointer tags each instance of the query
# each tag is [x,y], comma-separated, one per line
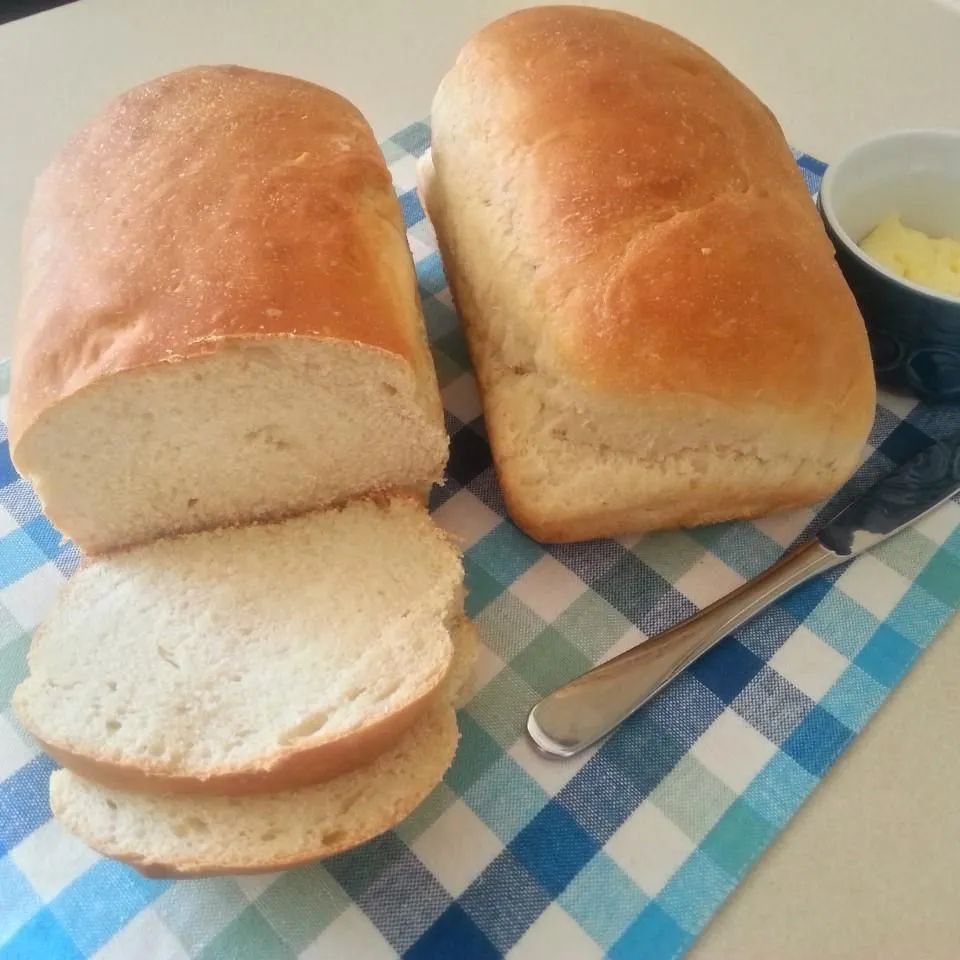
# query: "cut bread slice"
[175,835]
[172,835]
[286,426]
[248,659]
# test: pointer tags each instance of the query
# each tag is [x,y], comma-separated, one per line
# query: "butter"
[931,262]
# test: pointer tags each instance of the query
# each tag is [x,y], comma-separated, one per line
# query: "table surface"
[868,864]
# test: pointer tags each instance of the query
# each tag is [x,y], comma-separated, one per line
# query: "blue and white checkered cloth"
[625,852]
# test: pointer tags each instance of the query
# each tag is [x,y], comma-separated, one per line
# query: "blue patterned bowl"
[914,332]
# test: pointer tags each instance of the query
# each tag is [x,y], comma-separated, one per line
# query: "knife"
[581,712]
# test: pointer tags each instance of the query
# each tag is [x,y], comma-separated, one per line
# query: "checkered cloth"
[626,851]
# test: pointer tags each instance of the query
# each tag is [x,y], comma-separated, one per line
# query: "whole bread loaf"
[219,317]
[659,330]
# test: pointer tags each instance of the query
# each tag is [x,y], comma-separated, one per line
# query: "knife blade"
[898,500]
[583,711]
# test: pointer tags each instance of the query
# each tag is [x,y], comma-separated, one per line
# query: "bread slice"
[247,659]
[164,835]
[256,430]
[175,835]
[219,318]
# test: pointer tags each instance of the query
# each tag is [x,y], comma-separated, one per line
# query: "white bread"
[252,658]
[660,333]
[459,684]
[219,317]
[163,835]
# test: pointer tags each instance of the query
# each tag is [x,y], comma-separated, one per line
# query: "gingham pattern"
[625,852]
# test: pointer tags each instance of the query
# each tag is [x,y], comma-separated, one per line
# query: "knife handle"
[577,715]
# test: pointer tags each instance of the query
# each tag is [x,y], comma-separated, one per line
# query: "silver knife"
[580,713]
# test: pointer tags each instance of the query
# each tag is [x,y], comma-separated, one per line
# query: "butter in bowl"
[930,262]
[891,206]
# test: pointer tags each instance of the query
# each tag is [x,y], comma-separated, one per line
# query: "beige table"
[869,867]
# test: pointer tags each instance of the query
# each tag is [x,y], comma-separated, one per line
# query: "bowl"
[914,332]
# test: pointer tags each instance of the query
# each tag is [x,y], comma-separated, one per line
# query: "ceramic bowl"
[914,332]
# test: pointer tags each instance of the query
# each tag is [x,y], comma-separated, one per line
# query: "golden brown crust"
[207,205]
[664,211]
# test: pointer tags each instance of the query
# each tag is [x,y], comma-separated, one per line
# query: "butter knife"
[581,712]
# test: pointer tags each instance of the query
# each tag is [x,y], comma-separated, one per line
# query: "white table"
[867,868]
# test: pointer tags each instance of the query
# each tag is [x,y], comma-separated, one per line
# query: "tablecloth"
[624,852]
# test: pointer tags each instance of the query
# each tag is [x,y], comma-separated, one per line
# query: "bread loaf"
[659,330]
[251,658]
[219,317]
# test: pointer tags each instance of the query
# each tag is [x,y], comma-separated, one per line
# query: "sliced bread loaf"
[248,659]
[165,835]
[219,317]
